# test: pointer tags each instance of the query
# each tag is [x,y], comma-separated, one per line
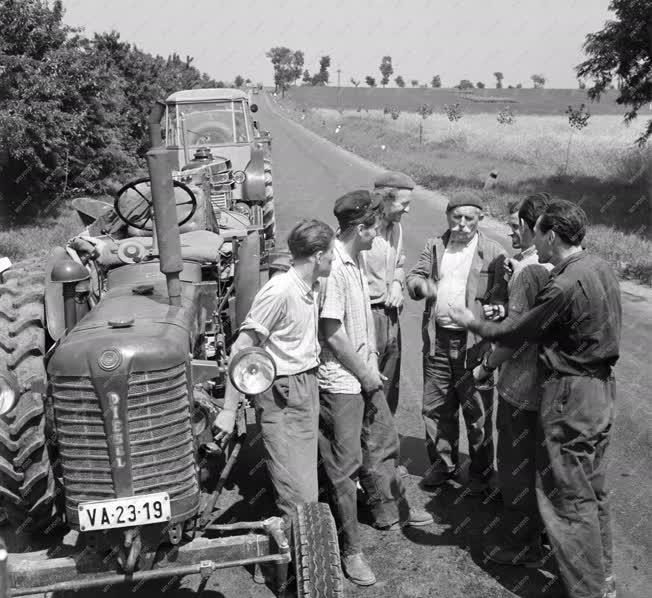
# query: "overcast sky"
[457,39]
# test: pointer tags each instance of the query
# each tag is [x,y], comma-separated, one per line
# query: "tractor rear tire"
[269,216]
[27,483]
[316,552]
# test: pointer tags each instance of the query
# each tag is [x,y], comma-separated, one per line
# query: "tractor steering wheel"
[133,203]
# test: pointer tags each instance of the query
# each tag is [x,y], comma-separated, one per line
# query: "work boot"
[609,587]
[416,518]
[527,556]
[358,570]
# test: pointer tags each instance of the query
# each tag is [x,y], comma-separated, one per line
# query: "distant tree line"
[73,110]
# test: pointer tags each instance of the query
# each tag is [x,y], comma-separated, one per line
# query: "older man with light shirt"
[457,268]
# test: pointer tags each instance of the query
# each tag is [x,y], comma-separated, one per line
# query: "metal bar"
[139,576]
[229,527]
[210,505]
[3,570]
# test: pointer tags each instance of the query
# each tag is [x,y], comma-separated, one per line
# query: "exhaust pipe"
[166,227]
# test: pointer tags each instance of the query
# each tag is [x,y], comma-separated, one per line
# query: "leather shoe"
[528,556]
[435,478]
[358,570]
[416,518]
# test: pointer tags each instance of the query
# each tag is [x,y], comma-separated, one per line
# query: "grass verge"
[445,166]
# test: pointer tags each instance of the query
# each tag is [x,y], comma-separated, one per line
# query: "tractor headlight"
[239,177]
[8,392]
[252,371]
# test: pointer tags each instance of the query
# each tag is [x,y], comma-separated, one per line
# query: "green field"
[522,101]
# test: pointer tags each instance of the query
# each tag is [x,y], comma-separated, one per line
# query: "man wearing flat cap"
[456,269]
[357,431]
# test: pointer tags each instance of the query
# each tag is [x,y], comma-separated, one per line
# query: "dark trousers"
[357,434]
[447,387]
[576,420]
[517,429]
[388,343]
[288,416]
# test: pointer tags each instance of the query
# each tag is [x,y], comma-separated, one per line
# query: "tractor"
[114,360]
[216,127]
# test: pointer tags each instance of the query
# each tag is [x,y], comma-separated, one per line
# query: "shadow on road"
[471,523]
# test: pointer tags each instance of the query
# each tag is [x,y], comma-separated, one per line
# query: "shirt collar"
[305,289]
[530,251]
[344,255]
[569,260]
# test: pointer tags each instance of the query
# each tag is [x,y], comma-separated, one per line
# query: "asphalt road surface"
[445,559]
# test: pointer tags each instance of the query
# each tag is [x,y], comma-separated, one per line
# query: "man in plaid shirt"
[357,430]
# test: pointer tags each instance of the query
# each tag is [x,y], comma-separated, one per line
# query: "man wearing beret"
[357,431]
[456,269]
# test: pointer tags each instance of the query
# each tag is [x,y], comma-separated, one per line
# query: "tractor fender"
[54,314]
[253,189]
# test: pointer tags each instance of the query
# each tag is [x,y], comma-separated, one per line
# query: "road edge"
[499,229]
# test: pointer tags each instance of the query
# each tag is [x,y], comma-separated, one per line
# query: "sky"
[457,39]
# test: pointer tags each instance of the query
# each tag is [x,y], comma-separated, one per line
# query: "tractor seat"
[198,246]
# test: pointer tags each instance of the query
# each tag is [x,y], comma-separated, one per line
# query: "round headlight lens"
[239,177]
[252,371]
[8,395]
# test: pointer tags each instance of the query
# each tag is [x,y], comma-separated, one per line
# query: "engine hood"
[160,336]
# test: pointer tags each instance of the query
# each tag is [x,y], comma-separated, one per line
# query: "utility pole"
[338,77]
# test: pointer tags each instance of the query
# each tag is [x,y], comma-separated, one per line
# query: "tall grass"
[604,150]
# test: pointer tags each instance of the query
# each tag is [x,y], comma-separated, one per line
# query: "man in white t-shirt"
[457,268]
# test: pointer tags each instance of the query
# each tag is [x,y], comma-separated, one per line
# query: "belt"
[380,306]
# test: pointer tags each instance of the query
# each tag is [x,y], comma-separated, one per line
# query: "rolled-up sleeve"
[266,311]
[420,271]
[333,297]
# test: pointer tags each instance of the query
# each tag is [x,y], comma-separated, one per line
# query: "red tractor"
[114,361]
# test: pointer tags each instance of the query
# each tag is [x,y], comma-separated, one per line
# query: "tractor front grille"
[221,200]
[158,429]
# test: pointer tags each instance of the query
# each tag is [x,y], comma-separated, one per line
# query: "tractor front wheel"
[269,216]
[27,481]
[316,552]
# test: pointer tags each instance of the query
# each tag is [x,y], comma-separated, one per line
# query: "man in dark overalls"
[576,319]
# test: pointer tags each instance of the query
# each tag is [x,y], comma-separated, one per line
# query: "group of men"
[549,318]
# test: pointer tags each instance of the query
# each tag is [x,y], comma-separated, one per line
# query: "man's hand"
[427,288]
[494,312]
[394,295]
[480,374]
[461,315]
[373,379]
[224,424]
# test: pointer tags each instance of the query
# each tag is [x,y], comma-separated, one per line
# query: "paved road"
[445,560]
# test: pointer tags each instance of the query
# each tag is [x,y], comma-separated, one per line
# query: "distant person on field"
[576,320]
[386,277]
[455,269]
[283,320]
[518,398]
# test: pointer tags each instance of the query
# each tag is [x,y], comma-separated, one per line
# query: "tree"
[581,84]
[307,78]
[238,81]
[518,86]
[464,84]
[480,85]
[436,81]
[386,70]
[355,82]
[414,83]
[288,66]
[370,81]
[321,78]
[622,51]
[399,81]
[538,81]
[499,79]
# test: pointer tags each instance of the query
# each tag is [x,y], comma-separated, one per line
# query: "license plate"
[124,512]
